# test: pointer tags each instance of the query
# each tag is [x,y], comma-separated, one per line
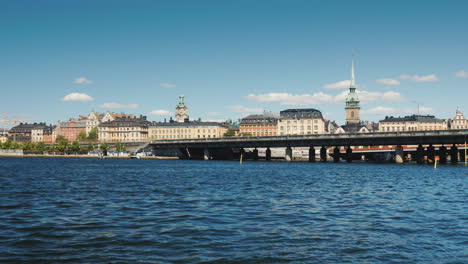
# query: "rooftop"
[301,113]
[414,118]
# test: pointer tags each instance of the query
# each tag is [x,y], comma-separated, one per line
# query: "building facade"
[459,121]
[187,130]
[35,132]
[412,123]
[262,125]
[71,129]
[124,129]
[92,121]
[301,122]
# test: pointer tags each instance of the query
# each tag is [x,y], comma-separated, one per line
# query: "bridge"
[227,147]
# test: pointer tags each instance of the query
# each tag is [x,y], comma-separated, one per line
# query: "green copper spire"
[181,101]
[353,81]
[352,100]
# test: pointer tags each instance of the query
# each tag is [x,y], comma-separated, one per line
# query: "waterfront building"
[188,130]
[361,127]
[112,116]
[459,121]
[71,129]
[25,132]
[181,110]
[92,121]
[124,129]
[412,123]
[265,124]
[301,122]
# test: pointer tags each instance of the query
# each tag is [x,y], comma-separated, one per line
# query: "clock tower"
[181,110]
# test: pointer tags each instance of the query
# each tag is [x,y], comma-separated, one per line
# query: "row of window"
[182,131]
[301,127]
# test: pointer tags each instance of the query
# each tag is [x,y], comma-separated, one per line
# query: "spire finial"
[353,81]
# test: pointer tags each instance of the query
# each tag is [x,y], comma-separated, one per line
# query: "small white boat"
[135,157]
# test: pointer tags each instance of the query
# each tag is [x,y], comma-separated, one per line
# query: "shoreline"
[85,157]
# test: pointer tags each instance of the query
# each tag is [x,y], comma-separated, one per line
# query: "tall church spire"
[353,81]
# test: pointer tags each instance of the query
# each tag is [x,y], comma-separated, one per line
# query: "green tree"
[75,146]
[81,136]
[90,147]
[15,145]
[62,143]
[93,134]
[119,147]
[229,133]
[41,146]
[7,144]
[26,146]
[104,148]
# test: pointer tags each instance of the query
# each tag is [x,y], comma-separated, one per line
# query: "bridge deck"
[364,139]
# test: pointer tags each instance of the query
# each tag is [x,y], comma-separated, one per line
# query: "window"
[352,114]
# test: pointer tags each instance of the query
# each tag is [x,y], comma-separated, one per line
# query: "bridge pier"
[336,154]
[268,154]
[443,154]
[311,154]
[206,154]
[289,154]
[430,154]
[349,154]
[255,154]
[399,154]
[454,154]
[323,154]
[420,154]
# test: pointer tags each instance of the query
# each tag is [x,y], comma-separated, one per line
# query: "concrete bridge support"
[323,154]
[399,154]
[430,154]
[311,154]
[443,154]
[420,154]
[454,154]
[206,154]
[349,154]
[255,154]
[336,154]
[288,154]
[268,154]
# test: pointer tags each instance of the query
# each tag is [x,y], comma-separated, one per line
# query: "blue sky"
[231,58]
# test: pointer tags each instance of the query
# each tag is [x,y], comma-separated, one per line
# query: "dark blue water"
[150,211]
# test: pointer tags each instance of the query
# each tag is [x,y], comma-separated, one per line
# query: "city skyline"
[60,60]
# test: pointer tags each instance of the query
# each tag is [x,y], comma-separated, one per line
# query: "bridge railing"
[318,136]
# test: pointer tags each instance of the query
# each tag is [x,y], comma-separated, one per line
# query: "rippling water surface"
[153,211]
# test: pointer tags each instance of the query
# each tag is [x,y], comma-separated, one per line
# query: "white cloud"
[417,78]
[320,98]
[461,74]
[117,105]
[214,113]
[381,110]
[245,110]
[167,85]
[82,80]
[161,113]
[81,97]
[338,85]
[388,81]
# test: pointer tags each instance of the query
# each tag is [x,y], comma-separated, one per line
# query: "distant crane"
[5,120]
